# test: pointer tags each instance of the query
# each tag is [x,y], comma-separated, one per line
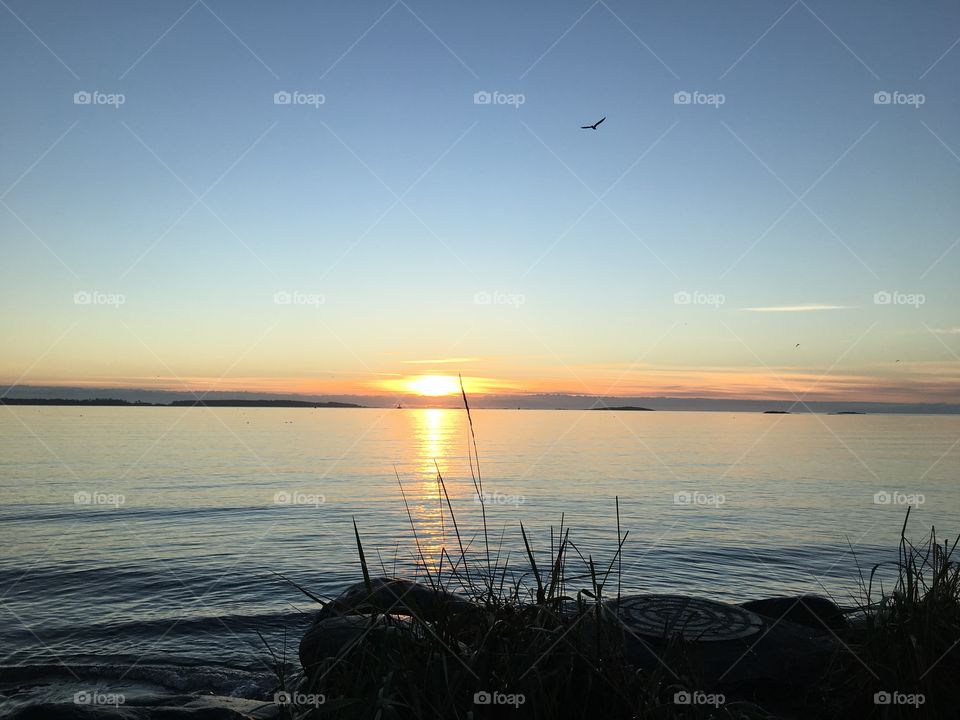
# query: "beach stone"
[732,649]
[693,619]
[810,610]
[396,597]
[72,711]
[331,636]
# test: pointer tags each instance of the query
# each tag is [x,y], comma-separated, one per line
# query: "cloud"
[441,361]
[816,307]
[945,331]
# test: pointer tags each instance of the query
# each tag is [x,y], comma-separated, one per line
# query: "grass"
[547,644]
[906,640]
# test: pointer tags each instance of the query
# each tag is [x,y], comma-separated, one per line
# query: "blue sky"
[695,200]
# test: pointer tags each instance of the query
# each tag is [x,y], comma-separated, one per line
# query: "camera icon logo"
[682,697]
[882,297]
[882,498]
[282,98]
[282,698]
[482,698]
[482,97]
[682,298]
[682,97]
[882,97]
[82,97]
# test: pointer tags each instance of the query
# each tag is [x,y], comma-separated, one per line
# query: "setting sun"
[434,385]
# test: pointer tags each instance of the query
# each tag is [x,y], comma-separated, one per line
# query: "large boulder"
[732,649]
[396,597]
[332,637]
[374,614]
[809,610]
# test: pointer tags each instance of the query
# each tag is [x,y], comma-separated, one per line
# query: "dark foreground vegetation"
[474,639]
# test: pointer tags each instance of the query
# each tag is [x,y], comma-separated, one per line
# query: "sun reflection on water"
[435,432]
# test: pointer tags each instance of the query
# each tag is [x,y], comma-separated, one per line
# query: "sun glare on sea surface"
[434,385]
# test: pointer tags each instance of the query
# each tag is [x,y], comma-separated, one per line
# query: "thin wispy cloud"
[815,307]
[946,331]
[441,361]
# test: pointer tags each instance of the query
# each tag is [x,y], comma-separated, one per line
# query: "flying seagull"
[594,126]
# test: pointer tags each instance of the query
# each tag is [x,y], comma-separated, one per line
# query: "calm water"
[144,540]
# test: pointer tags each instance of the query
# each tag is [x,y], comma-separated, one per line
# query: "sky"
[345,198]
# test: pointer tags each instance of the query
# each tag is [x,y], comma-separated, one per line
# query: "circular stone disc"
[694,619]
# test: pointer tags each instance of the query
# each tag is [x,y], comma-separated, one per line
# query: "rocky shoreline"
[493,657]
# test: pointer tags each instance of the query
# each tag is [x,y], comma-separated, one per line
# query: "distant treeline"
[261,403]
[113,402]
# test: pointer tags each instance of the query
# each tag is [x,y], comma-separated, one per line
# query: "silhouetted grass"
[545,636]
[906,638]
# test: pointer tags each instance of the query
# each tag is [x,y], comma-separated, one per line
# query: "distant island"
[262,403]
[58,394]
[776,412]
[113,402]
[632,408]
[847,412]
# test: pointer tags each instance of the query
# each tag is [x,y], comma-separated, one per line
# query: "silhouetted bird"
[797,345]
[594,126]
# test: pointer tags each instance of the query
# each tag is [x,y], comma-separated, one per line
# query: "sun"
[434,385]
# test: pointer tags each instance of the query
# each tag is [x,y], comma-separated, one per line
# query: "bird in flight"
[797,345]
[594,126]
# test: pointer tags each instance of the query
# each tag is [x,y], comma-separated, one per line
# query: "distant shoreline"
[114,402]
[216,399]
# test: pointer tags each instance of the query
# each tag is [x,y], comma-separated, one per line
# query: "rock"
[396,597]
[174,708]
[728,649]
[694,619]
[809,610]
[333,636]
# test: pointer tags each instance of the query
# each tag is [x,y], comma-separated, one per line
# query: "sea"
[166,549]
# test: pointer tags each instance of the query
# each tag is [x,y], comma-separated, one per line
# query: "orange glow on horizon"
[926,381]
[434,385]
